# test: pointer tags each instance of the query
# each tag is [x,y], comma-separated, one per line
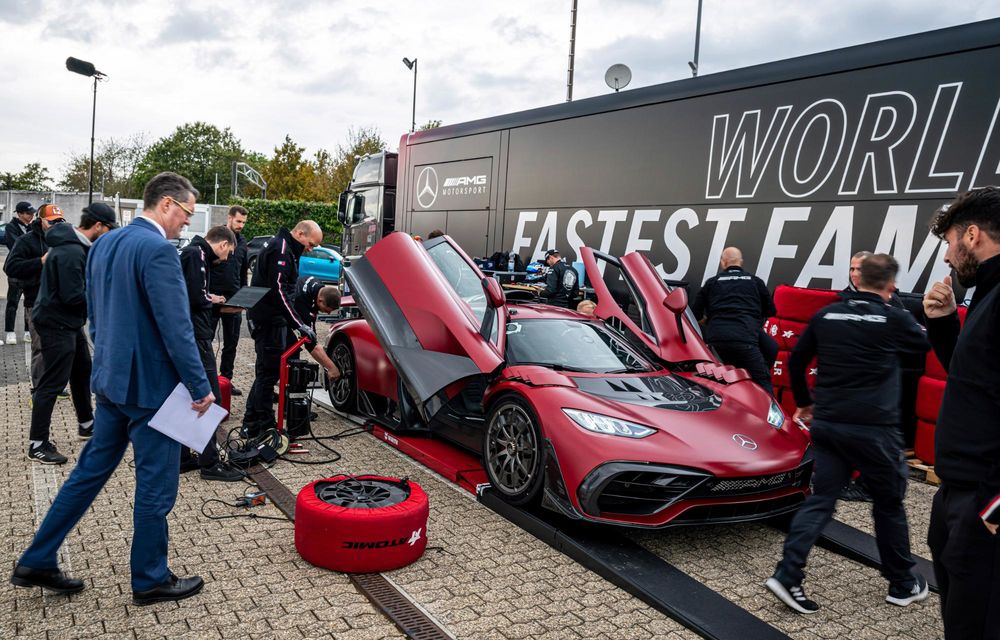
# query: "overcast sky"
[313,69]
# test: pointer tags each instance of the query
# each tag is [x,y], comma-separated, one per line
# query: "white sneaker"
[27,337]
[11,338]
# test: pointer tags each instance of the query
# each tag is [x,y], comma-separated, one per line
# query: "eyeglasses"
[189,213]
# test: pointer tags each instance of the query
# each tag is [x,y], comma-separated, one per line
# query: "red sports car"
[625,417]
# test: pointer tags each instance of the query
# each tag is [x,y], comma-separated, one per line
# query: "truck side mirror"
[342,209]
[676,300]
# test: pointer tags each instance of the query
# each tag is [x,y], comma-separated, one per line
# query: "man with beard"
[17,227]
[966,511]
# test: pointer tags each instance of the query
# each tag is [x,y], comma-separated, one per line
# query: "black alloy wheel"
[513,454]
[343,390]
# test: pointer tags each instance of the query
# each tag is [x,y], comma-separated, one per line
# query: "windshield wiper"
[557,367]
[629,370]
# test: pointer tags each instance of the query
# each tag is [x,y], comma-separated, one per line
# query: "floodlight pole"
[572,49]
[93,126]
[697,43]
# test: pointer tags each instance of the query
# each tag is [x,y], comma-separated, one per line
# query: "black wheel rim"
[342,387]
[512,450]
[356,493]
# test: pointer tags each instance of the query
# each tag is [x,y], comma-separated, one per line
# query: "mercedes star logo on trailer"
[427,187]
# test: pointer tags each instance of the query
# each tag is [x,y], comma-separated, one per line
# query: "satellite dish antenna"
[618,76]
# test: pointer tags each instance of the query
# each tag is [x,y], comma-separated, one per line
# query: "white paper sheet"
[177,420]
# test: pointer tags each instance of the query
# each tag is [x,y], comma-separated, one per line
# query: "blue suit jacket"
[139,319]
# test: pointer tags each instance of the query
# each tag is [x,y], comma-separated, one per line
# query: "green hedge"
[267,216]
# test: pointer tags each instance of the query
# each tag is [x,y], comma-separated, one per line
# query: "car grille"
[644,492]
[757,484]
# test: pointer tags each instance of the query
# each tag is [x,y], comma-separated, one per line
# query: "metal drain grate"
[277,492]
[397,607]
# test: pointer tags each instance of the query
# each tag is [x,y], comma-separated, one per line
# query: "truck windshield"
[571,345]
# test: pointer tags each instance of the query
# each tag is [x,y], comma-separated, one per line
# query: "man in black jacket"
[274,318]
[857,343]
[562,283]
[736,304]
[17,227]
[228,277]
[966,511]
[196,261]
[25,262]
[58,317]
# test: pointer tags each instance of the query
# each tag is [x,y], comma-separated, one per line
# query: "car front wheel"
[343,390]
[512,451]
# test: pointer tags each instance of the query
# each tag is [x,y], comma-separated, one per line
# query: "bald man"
[274,318]
[735,304]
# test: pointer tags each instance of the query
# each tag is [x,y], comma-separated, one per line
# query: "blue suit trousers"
[157,459]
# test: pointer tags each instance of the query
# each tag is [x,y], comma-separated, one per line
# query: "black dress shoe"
[173,589]
[235,391]
[52,579]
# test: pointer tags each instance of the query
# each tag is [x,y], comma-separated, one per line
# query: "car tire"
[344,390]
[513,451]
[361,524]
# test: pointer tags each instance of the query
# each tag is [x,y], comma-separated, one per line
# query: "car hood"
[695,420]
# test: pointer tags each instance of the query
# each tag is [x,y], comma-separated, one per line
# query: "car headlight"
[775,417]
[597,423]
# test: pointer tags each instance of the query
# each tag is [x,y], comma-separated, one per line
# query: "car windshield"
[571,345]
[463,279]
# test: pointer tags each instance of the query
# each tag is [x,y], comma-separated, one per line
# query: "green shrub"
[267,216]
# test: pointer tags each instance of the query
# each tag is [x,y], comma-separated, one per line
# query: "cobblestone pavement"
[482,577]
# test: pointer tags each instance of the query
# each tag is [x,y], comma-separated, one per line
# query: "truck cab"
[367,210]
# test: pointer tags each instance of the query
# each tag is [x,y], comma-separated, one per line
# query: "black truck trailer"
[800,163]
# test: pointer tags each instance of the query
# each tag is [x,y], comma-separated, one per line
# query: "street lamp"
[87,69]
[412,64]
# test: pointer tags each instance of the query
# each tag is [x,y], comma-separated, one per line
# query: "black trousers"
[230,339]
[64,357]
[14,292]
[270,341]
[747,356]
[967,566]
[878,452]
[210,455]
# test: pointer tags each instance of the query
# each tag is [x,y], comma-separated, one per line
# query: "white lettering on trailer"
[731,153]
[934,182]
[547,237]
[773,249]
[872,149]
[830,112]
[896,239]
[839,229]
[723,218]
[635,240]
[991,142]
[521,242]
[572,237]
[610,218]
[675,245]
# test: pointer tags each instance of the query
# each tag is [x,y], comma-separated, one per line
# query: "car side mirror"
[494,293]
[676,301]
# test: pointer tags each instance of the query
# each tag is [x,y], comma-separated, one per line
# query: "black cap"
[101,213]
[551,252]
[24,207]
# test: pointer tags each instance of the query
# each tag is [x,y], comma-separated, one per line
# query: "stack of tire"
[795,308]
[930,390]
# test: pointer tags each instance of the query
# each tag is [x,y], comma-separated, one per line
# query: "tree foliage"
[197,151]
[360,142]
[430,124]
[265,217]
[289,174]
[116,166]
[34,177]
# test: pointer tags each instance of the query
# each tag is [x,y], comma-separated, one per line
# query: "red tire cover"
[799,304]
[929,394]
[360,540]
[225,394]
[779,371]
[923,447]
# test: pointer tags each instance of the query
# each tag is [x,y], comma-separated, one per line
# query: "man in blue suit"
[143,346]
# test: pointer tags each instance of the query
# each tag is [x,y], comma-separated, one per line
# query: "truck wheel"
[344,390]
[361,524]
[513,455]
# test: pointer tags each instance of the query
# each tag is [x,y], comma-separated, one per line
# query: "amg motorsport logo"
[464,185]
[429,186]
[384,544]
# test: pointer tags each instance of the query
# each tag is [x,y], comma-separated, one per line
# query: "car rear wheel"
[512,451]
[343,390]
